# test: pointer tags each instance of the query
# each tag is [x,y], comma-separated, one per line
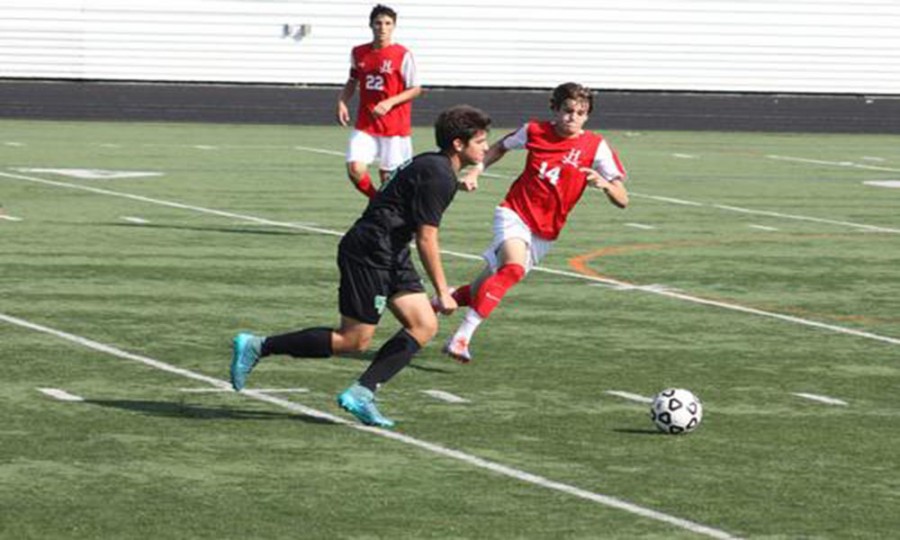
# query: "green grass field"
[749,268]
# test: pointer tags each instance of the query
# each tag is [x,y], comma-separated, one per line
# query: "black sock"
[391,358]
[309,343]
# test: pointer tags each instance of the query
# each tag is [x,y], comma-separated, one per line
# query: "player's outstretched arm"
[469,180]
[614,188]
[430,254]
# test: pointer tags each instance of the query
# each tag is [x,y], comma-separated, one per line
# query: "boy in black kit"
[377,271]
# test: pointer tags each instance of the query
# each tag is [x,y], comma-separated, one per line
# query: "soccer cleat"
[457,348]
[245,355]
[360,402]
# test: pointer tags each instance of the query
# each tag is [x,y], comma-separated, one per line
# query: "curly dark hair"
[459,122]
[571,90]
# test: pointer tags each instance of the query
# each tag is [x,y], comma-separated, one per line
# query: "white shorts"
[508,225]
[391,152]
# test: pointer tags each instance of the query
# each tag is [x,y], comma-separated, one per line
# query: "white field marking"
[762,227]
[61,395]
[640,226]
[137,220]
[13,144]
[476,461]
[630,396]
[109,145]
[670,293]
[205,147]
[319,151]
[771,214]
[171,204]
[653,288]
[822,399]
[293,223]
[806,218]
[669,199]
[884,183]
[229,389]
[90,174]
[684,156]
[445,396]
[834,163]
[10,218]
[873,158]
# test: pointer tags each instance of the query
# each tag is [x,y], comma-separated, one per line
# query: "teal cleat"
[360,402]
[246,350]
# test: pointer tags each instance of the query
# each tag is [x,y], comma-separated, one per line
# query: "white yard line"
[629,396]
[640,226]
[849,164]
[476,461]
[135,220]
[445,396]
[613,283]
[9,218]
[762,227]
[872,228]
[61,395]
[822,399]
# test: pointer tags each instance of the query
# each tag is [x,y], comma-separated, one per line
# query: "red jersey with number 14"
[383,73]
[551,184]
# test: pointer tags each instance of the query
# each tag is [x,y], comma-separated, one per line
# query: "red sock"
[463,296]
[365,186]
[494,288]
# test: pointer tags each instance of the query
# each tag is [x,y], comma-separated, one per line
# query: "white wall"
[832,46]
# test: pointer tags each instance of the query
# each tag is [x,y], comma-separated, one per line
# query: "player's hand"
[469,180]
[593,178]
[343,114]
[382,108]
[446,303]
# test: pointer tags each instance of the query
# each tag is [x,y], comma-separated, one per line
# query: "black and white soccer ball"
[676,411]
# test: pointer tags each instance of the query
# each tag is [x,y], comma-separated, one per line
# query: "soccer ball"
[676,411]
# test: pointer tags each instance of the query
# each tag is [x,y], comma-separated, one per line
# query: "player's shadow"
[194,412]
[634,431]
[368,356]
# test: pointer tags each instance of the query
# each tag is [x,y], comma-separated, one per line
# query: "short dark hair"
[459,122]
[379,10]
[571,90]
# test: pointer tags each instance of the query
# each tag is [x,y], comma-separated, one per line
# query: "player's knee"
[361,343]
[424,330]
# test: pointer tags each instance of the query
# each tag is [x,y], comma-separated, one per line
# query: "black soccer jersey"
[417,194]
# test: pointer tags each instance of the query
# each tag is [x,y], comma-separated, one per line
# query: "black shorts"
[365,290]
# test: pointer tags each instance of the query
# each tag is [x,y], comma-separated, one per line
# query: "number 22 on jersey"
[374,82]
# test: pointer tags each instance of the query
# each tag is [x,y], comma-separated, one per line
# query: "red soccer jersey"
[383,73]
[551,183]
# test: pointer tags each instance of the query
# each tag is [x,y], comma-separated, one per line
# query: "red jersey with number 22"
[551,184]
[383,73]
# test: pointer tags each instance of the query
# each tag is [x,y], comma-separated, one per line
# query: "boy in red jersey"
[563,159]
[386,75]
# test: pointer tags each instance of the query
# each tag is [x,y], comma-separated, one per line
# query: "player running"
[377,272]
[563,159]
[385,73]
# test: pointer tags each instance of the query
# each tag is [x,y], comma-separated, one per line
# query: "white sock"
[469,325]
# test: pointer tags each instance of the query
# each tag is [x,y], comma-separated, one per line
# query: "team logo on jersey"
[386,67]
[572,158]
